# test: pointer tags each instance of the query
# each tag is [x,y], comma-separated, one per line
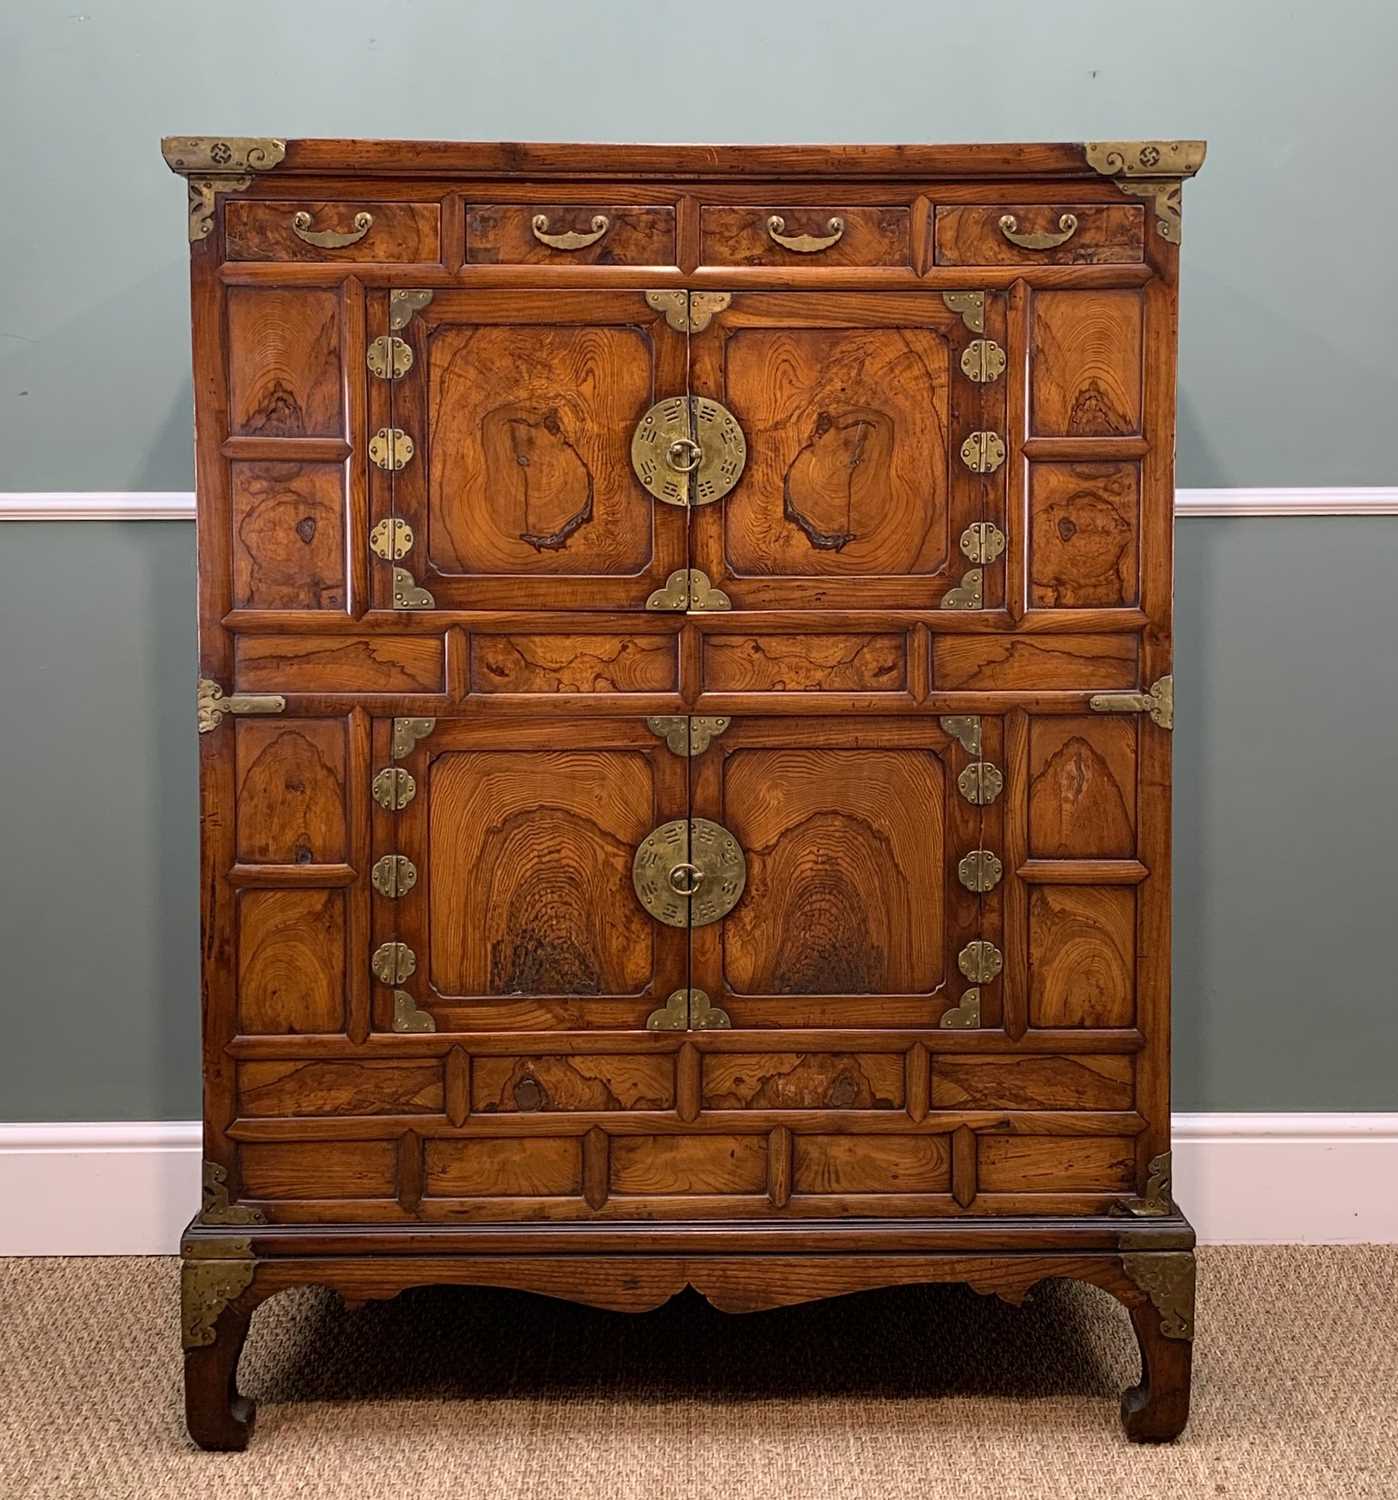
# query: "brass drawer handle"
[805,244]
[569,240]
[330,239]
[1067,223]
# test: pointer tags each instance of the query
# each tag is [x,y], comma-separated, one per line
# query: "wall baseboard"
[129,1189]
[178,505]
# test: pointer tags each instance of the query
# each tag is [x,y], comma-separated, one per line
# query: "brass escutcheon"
[678,859]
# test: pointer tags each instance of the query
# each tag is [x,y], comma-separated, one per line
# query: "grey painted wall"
[1286,818]
[1290,280]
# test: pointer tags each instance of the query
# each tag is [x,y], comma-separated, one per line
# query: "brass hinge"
[687,736]
[982,541]
[688,1010]
[389,357]
[983,452]
[391,540]
[689,589]
[391,448]
[980,961]
[981,783]
[393,875]
[392,963]
[1158,702]
[213,703]
[980,870]
[983,360]
[393,788]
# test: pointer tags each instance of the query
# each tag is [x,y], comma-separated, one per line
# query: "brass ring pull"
[330,239]
[685,879]
[805,244]
[682,446]
[570,240]
[1067,223]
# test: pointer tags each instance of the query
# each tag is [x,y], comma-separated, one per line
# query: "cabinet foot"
[1156,1409]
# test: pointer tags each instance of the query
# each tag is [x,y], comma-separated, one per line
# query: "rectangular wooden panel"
[340,664]
[532,1167]
[529,663]
[663,1165]
[736,235]
[284,377]
[1055,1164]
[587,1081]
[288,535]
[837,663]
[1085,364]
[374,1086]
[1007,664]
[1082,955]
[972,234]
[803,1080]
[319,1169]
[291,961]
[1084,528]
[267,231]
[1082,786]
[636,234]
[871,1164]
[970,1080]
[291,791]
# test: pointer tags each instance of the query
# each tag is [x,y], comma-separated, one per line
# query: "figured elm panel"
[847,663]
[970,1080]
[1084,521]
[533,1167]
[340,1087]
[574,663]
[1085,364]
[1055,1164]
[871,1164]
[969,234]
[340,664]
[288,535]
[589,1081]
[636,235]
[1082,787]
[284,377]
[992,663]
[320,1169]
[736,235]
[1082,955]
[803,1080]
[291,800]
[665,1165]
[264,231]
[530,857]
[291,961]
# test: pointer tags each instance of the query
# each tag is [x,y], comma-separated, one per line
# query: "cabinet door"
[875,429]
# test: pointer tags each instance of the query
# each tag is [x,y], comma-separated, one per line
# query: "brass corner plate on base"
[689,589]
[689,872]
[1167,1277]
[206,1289]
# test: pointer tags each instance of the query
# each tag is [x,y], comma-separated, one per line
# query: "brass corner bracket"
[1167,1277]
[1161,165]
[965,1015]
[217,1209]
[971,306]
[1155,1202]
[687,736]
[968,594]
[207,1286]
[404,303]
[213,704]
[688,312]
[688,1010]
[408,593]
[1158,702]
[213,164]
[406,734]
[689,589]
[965,729]
[406,1015]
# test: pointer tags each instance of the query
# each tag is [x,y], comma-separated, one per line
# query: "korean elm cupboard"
[684,712]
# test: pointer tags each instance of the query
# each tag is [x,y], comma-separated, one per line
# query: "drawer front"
[312,229]
[588,234]
[1049,234]
[809,237]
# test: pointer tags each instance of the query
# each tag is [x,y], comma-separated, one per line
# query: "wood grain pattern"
[803,1080]
[263,231]
[805,663]
[1085,364]
[351,1169]
[291,791]
[286,381]
[288,535]
[1082,955]
[341,664]
[574,663]
[970,234]
[638,234]
[1083,534]
[1093,1081]
[536,1166]
[374,1086]
[737,235]
[593,1081]
[1052,1164]
[1082,787]
[665,1165]
[986,663]
[871,1164]
[291,961]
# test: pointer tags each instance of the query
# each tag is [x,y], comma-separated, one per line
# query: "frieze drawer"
[1039,234]
[311,229]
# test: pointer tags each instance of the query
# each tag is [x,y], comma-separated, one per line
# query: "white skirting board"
[129,1189]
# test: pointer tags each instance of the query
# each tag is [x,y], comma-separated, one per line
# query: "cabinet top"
[235,155]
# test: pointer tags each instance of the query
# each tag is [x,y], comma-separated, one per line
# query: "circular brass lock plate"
[689,872]
[688,451]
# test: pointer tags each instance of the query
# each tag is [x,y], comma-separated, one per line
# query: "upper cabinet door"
[876,434]
[516,482]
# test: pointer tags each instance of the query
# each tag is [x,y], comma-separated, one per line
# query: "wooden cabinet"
[685,722]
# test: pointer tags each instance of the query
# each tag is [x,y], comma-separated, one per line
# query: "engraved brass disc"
[689,872]
[688,450]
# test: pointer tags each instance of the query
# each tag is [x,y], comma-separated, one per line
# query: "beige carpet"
[918,1393]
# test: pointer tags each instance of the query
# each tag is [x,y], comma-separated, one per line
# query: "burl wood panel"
[344,1169]
[531,890]
[291,961]
[340,664]
[291,799]
[502,234]
[847,465]
[263,231]
[374,1086]
[1082,955]
[1107,234]
[1084,524]
[845,885]
[805,663]
[574,663]
[664,1165]
[588,1081]
[995,663]
[803,1080]
[1082,787]
[871,1164]
[284,377]
[736,235]
[1085,364]
[970,1080]
[288,535]
[1054,1164]
[530,468]
[536,1166]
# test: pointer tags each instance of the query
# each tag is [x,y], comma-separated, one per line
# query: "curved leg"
[1156,1410]
[215,1316]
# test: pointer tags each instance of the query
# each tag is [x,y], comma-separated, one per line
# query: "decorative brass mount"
[1167,1277]
[980,870]
[408,593]
[965,729]
[213,703]
[406,1015]
[980,961]
[331,239]
[393,875]
[968,594]
[689,589]
[389,357]
[982,542]
[568,239]
[216,1207]
[206,1289]
[689,872]
[689,312]
[392,963]
[688,450]
[212,164]
[1041,240]
[1158,702]
[393,788]
[805,244]
[391,449]
[983,452]
[1166,162]
[688,1010]
[965,1015]
[971,306]
[406,734]
[404,303]
[981,783]
[687,735]
[1155,1202]
[391,540]
[983,360]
